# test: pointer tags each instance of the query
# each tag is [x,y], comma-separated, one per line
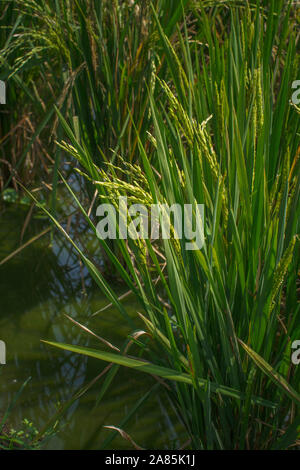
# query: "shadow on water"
[37,287]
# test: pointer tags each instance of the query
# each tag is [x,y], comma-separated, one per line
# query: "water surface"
[37,288]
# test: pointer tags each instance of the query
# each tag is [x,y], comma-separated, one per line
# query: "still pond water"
[37,287]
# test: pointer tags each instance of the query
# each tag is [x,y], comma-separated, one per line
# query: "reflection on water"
[37,287]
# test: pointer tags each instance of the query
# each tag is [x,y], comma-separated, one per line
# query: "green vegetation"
[27,437]
[165,105]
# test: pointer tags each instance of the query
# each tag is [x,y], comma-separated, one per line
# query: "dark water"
[37,287]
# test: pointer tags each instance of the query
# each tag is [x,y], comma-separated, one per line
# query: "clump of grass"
[92,60]
[23,155]
[96,59]
[222,322]
[27,436]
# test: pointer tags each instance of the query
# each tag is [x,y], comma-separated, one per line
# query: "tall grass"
[96,57]
[222,132]
[22,154]
[92,60]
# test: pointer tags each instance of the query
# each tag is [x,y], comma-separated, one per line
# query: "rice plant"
[96,58]
[222,132]
[24,152]
[91,59]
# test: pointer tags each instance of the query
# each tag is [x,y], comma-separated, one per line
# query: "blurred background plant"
[93,60]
